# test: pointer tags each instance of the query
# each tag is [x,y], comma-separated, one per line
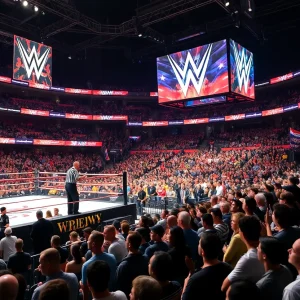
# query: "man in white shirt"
[248,268]
[220,189]
[114,245]
[7,244]
[292,291]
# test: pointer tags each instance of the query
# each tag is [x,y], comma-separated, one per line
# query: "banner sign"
[7,141]
[253,115]
[281,78]
[18,82]
[196,121]
[176,122]
[110,118]
[270,112]
[135,124]
[216,119]
[235,117]
[78,91]
[109,93]
[39,86]
[5,79]
[24,141]
[32,61]
[34,112]
[153,94]
[294,139]
[156,123]
[79,116]
[57,114]
[57,89]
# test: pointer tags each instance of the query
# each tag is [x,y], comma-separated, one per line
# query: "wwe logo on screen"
[194,74]
[32,61]
[243,67]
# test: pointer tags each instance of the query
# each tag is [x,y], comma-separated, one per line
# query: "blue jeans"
[139,207]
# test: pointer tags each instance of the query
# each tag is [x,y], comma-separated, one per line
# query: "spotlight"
[250,9]
[25,3]
[140,35]
[69,57]
[43,13]
[227,3]
[36,9]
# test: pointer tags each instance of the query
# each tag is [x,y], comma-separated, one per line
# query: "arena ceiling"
[75,28]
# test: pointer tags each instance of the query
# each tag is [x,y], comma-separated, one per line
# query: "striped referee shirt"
[72,175]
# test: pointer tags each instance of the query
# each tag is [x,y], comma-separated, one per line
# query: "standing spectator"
[9,287]
[292,291]
[191,236]
[293,188]
[20,262]
[249,206]
[182,194]
[145,288]
[63,253]
[55,289]
[270,252]
[4,221]
[132,266]
[125,227]
[95,244]
[237,247]
[248,267]
[84,245]
[219,225]
[7,244]
[208,225]
[145,239]
[209,279]
[140,201]
[98,277]
[156,234]
[161,268]
[41,233]
[236,206]
[115,245]
[245,290]
[50,267]
[225,210]
[75,265]
[163,221]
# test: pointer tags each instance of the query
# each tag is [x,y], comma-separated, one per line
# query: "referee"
[71,189]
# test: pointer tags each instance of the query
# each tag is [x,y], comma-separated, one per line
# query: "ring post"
[125,188]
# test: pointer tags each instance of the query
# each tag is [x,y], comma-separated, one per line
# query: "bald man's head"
[76,165]
[8,287]
[171,221]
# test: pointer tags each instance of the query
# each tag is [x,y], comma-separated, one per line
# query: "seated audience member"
[236,206]
[214,201]
[84,245]
[145,239]
[207,282]
[74,238]
[116,246]
[9,287]
[75,265]
[270,252]
[95,244]
[292,291]
[161,268]
[248,267]
[98,277]
[63,253]
[245,290]
[48,214]
[132,266]
[145,288]
[50,267]
[20,262]
[156,234]
[7,244]
[55,289]
[125,229]
[56,213]
[180,254]
[191,236]
[237,247]
[219,225]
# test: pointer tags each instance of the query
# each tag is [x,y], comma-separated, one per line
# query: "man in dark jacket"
[41,233]
[293,188]
[132,266]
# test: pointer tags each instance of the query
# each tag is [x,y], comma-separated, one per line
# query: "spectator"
[219,225]
[145,238]
[84,245]
[41,233]
[248,267]
[225,210]
[180,254]
[237,247]
[156,234]
[50,267]
[22,286]
[293,188]
[7,244]
[63,253]
[145,288]
[48,214]
[161,268]
[116,246]
[117,225]
[75,265]
[55,289]
[95,244]
[133,265]
[125,229]
[171,222]
[74,238]
[209,279]
[245,290]
[8,287]
[271,252]
[292,291]
[163,221]
[98,277]
[249,206]
[191,236]
[20,262]
[236,206]
[288,199]
[261,202]
[4,221]
[56,213]
[208,225]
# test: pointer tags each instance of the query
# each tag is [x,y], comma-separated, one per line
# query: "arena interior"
[149,150]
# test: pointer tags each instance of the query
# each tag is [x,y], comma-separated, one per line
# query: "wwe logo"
[32,61]
[106,117]
[243,67]
[195,75]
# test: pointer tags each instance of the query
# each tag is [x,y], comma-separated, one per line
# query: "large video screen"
[197,72]
[242,70]
[32,62]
